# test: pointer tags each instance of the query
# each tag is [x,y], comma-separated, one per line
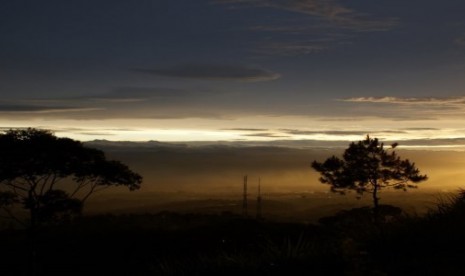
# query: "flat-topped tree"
[367,167]
[51,177]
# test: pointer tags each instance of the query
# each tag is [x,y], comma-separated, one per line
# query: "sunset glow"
[154,71]
[232,137]
[446,133]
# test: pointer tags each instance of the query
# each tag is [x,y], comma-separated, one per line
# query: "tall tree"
[367,167]
[51,177]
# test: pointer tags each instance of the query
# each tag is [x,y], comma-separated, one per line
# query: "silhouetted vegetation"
[349,242]
[51,177]
[367,167]
[167,243]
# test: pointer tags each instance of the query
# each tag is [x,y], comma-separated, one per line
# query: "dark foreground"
[350,243]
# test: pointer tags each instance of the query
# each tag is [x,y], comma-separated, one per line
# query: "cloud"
[324,8]
[129,102]
[214,72]
[408,108]
[321,26]
[339,132]
[91,133]
[87,130]
[138,94]
[330,10]
[420,128]
[9,108]
[266,135]
[302,38]
[326,132]
[277,145]
[459,141]
[409,100]
[126,94]
[247,129]
[292,48]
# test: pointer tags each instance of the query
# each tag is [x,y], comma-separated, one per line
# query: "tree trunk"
[32,236]
[375,203]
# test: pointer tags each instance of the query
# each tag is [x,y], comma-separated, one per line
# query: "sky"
[234,70]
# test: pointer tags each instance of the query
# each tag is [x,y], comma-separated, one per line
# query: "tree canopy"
[51,176]
[367,167]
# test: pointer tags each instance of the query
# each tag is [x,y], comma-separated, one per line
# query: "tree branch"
[54,181]
[45,181]
[396,183]
[80,186]
[16,186]
[93,186]
[11,216]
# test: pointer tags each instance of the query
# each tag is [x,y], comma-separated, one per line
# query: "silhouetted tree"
[367,167]
[51,177]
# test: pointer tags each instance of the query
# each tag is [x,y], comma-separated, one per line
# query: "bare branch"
[44,184]
[11,216]
[54,181]
[93,187]
[101,189]
[16,186]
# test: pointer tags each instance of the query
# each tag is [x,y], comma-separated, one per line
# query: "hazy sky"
[234,69]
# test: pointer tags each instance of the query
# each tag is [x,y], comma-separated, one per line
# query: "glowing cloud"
[410,101]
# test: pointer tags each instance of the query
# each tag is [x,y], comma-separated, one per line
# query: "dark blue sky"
[240,63]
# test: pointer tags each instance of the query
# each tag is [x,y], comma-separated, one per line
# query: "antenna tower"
[244,199]
[259,201]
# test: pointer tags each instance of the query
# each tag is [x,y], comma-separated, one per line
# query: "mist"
[186,178]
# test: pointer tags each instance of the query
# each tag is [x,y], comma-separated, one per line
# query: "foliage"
[56,205]
[451,206]
[367,167]
[205,244]
[51,177]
